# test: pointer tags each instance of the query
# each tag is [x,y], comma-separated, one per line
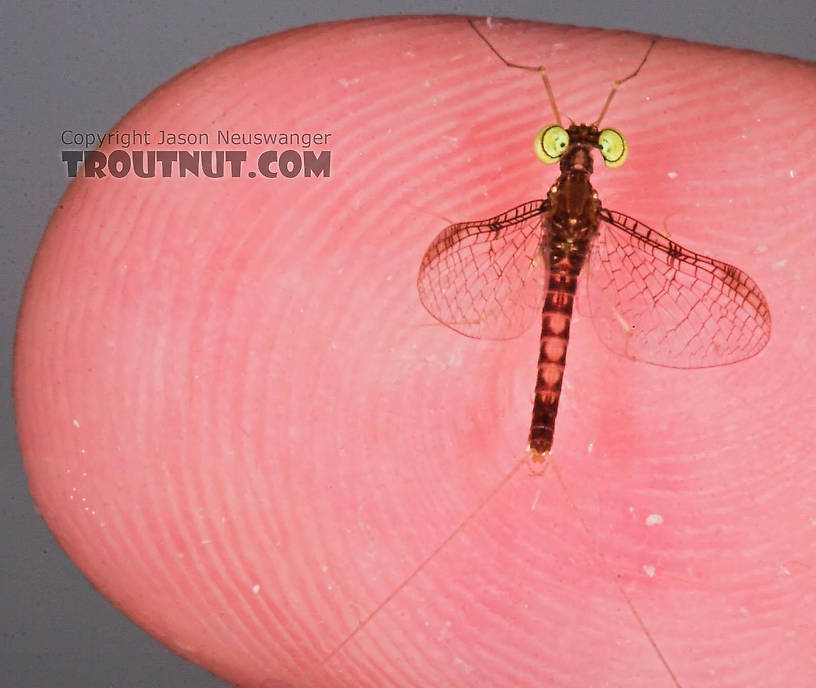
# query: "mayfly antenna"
[529,68]
[617,83]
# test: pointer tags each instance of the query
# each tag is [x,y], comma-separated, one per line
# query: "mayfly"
[650,299]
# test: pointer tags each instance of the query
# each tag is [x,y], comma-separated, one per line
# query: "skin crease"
[241,425]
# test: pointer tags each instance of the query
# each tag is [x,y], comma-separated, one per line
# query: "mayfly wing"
[486,279]
[654,301]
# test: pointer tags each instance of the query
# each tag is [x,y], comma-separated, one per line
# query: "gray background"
[82,66]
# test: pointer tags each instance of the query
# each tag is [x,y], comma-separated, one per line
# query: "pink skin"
[242,426]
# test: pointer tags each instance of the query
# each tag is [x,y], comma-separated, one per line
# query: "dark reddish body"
[572,223]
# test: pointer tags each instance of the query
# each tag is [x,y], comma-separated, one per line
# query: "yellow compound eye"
[613,147]
[550,143]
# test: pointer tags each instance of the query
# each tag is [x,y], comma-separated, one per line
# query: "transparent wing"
[486,279]
[654,301]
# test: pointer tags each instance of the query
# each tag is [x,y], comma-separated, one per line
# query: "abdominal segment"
[552,358]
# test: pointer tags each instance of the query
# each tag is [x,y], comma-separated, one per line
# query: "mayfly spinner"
[650,299]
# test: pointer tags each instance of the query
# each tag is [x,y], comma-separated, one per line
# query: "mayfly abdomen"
[552,357]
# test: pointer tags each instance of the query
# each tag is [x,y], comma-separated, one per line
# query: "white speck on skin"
[256,589]
[631,509]
[589,448]
[672,175]
[324,568]
[744,611]
[654,520]
[535,500]
[784,570]
[649,569]
[81,451]
[205,542]
[779,265]
[762,248]
[462,663]
[76,423]
[792,173]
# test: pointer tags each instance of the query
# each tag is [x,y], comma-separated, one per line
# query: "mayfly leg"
[628,328]
[665,233]
[618,82]
[543,71]
[535,262]
[540,69]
